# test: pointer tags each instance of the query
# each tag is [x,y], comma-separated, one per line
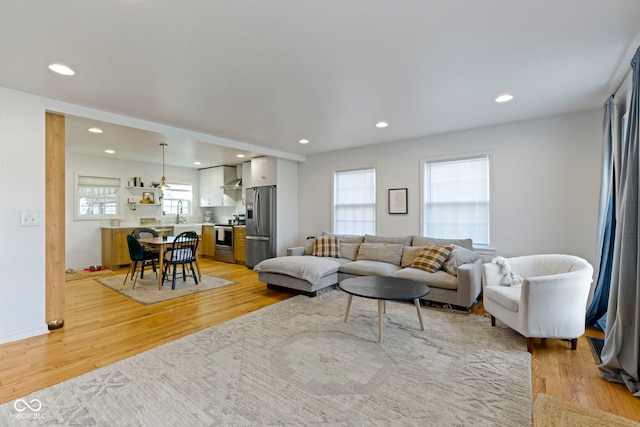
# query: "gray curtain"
[597,312]
[621,351]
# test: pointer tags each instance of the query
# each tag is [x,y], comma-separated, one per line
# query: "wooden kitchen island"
[115,251]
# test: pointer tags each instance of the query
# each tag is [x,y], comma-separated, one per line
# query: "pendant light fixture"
[163,183]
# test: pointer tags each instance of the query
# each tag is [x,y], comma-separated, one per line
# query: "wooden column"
[54,219]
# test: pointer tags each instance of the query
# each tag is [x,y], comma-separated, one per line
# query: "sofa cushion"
[439,279]
[347,238]
[432,257]
[349,250]
[326,246]
[369,268]
[385,252]
[457,257]
[308,268]
[368,238]
[421,241]
[308,245]
[409,254]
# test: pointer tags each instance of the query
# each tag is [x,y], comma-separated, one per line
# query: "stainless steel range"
[224,243]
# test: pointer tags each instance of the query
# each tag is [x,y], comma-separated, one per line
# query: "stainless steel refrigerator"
[261,224]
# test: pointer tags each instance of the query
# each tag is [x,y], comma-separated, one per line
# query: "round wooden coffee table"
[384,289]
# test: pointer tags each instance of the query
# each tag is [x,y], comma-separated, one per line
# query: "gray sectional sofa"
[458,282]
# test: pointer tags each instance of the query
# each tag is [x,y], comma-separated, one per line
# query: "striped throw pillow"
[327,246]
[432,257]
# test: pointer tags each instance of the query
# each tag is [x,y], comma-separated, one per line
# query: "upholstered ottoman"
[304,274]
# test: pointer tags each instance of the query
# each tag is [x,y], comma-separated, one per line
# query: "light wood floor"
[102,327]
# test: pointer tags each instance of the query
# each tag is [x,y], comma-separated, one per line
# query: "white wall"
[22,180]
[545,182]
[83,237]
[287,205]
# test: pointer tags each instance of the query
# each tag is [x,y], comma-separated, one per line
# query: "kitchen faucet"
[179,209]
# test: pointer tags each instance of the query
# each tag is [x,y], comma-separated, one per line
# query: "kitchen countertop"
[112,227]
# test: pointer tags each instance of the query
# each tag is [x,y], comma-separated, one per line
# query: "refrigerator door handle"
[257,213]
[257,238]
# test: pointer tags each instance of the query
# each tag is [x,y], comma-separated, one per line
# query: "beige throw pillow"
[409,254]
[326,246]
[432,257]
[349,250]
[384,252]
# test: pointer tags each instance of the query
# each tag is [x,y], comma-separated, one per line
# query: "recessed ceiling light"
[304,141]
[240,155]
[95,130]
[504,98]
[196,163]
[382,124]
[61,69]
[109,151]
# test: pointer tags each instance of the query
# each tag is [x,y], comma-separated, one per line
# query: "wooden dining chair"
[139,256]
[182,252]
[143,232]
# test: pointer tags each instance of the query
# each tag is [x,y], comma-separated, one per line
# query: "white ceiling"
[268,73]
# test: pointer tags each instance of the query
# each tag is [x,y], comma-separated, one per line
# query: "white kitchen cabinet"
[264,171]
[210,181]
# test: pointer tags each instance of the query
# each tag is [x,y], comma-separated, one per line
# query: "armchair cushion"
[506,296]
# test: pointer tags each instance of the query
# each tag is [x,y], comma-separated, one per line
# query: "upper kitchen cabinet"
[246,175]
[211,181]
[264,171]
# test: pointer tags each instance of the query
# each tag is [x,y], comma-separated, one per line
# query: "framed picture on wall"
[148,197]
[398,201]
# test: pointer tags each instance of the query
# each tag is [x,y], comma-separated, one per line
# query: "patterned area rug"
[549,411]
[298,363]
[147,292]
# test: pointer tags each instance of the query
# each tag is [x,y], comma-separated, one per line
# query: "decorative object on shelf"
[398,201]
[148,198]
[163,181]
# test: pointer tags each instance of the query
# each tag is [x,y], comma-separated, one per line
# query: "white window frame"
[101,182]
[334,189]
[189,207]
[424,196]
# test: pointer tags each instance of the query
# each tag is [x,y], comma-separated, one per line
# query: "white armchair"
[549,303]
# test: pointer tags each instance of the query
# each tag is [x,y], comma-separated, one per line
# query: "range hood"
[236,184]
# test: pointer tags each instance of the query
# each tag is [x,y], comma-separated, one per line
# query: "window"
[354,202]
[97,197]
[175,193]
[456,199]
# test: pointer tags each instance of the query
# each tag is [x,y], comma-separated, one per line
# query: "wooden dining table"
[161,243]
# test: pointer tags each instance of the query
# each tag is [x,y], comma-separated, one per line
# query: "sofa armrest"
[469,283]
[296,251]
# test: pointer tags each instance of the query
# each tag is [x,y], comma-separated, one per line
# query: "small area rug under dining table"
[147,292]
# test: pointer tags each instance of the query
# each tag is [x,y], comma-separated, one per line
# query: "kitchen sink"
[181,228]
